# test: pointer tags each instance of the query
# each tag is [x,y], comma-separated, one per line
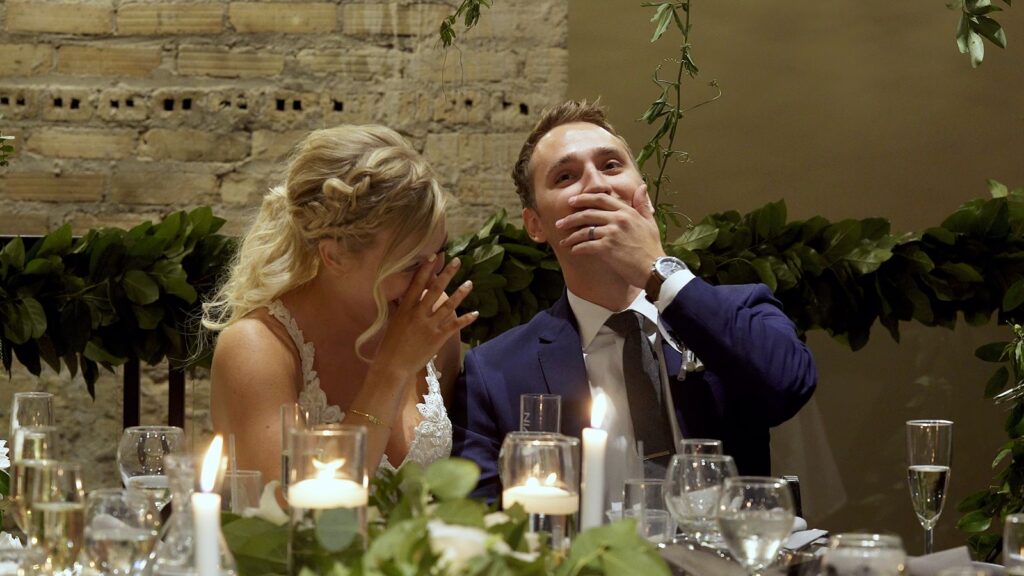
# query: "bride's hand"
[425,318]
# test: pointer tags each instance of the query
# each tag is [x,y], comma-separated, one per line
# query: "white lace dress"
[432,439]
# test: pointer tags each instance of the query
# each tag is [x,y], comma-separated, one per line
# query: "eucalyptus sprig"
[469,12]
[5,149]
[976,23]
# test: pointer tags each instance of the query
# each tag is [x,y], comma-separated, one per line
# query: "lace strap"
[279,312]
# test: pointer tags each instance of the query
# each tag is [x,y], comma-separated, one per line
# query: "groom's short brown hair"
[551,118]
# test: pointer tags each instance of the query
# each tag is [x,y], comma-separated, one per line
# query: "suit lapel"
[565,373]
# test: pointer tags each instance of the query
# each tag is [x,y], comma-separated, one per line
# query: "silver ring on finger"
[590,235]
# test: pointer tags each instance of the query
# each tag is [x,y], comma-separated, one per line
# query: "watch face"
[668,266]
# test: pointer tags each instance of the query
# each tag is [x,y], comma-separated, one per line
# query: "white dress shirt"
[602,354]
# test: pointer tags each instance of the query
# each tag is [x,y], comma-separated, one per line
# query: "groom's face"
[572,159]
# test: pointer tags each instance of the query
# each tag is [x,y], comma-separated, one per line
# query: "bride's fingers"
[440,282]
[452,303]
[419,283]
[458,323]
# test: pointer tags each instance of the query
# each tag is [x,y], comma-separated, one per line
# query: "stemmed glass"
[695,485]
[56,516]
[140,458]
[31,409]
[33,447]
[755,515]
[929,455]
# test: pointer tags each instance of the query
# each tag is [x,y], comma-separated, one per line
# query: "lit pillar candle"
[206,513]
[595,441]
[320,493]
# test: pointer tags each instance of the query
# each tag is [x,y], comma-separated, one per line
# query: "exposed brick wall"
[128,109]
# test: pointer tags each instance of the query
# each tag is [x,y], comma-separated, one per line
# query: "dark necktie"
[643,388]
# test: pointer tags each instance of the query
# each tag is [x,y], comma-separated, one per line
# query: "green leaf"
[33,313]
[14,253]
[94,351]
[841,238]
[866,258]
[764,272]
[452,478]
[699,237]
[1014,296]
[148,317]
[337,528]
[463,512]
[140,288]
[997,382]
[57,242]
[993,352]
[961,271]
[973,502]
[990,29]
[976,521]
[663,16]
[996,188]
[941,235]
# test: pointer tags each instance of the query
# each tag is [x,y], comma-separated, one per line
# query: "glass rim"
[33,394]
[54,463]
[642,481]
[699,456]
[539,395]
[1016,518]
[329,431]
[154,428]
[929,422]
[699,441]
[877,538]
[757,480]
[243,473]
[540,438]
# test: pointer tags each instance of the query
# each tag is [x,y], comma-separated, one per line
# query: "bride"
[336,301]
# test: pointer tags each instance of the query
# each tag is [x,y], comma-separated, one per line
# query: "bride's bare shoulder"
[256,346]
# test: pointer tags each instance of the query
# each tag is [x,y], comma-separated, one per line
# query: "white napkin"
[931,564]
[799,524]
[801,538]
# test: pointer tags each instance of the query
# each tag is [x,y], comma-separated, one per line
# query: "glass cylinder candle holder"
[541,472]
[328,490]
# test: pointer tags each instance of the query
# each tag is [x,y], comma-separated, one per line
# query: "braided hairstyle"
[346,184]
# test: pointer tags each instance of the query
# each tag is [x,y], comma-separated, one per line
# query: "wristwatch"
[660,271]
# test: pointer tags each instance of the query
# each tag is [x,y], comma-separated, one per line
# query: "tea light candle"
[320,493]
[206,513]
[541,499]
[595,442]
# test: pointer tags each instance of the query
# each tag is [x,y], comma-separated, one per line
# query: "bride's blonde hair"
[347,184]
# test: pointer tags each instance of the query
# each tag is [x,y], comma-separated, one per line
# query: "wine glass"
[33,446]
[869,554]
[1013,543]
[120,531]
[929,455]
[31,409]
[56,515]
[644,500]
[140,458]
[755,515]
[695,485]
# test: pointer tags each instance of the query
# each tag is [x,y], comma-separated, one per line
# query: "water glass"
[140,458]
[1013,543]
[241,489]
[755,515]
[644,500]
[56,515]
[540,472]
[121,528]
[31,409]
[293,417]
[540,413]
[700,446]
[854,554]
[929,455]
[695,485]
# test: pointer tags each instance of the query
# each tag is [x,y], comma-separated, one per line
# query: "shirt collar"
[591,317]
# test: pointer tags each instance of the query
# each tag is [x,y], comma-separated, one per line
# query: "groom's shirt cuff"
[671,287]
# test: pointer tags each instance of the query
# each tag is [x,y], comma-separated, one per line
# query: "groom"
[625,324]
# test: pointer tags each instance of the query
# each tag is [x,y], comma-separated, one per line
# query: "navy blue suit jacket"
[757,374]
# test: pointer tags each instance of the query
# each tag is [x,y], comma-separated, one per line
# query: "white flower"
[495,518]
[458,544]
[269,509]
[5,462]
[9,541]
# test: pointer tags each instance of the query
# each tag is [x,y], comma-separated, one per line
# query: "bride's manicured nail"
[475,313]
[468,285]
[456,263]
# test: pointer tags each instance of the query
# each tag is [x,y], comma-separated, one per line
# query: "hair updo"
[346,184]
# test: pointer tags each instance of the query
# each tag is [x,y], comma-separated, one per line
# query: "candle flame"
[327,469]
[598,410]
[551,479]
[531,481]
[211,464]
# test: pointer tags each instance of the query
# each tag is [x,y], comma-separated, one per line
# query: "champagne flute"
[31,409]
[140,458]
[695,486]
[755,515]
[33,447]
[57,519]
[120,531]
[929,455]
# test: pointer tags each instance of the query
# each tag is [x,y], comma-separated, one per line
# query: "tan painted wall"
[845,109]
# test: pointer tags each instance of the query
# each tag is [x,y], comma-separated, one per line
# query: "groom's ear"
[531,221]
